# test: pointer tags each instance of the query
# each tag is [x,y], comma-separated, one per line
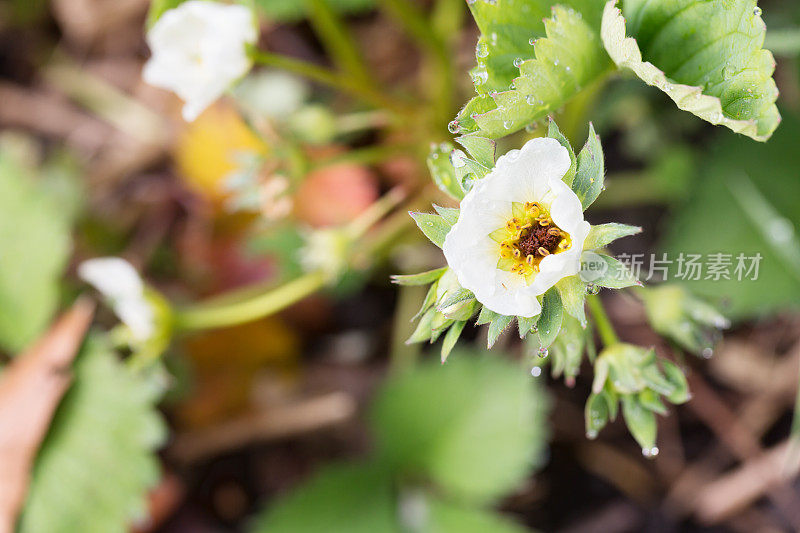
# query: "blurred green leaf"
[718,218]
[474,427]
[34,248]
[352,498]
[97,460]
[448,518]
[588,182]
[640,421]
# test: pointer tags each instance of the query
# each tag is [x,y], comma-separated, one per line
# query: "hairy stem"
[601,321]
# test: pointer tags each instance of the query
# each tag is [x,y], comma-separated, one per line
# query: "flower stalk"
[601,320]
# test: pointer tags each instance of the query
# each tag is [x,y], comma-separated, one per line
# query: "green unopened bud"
[678,315]
[313,124]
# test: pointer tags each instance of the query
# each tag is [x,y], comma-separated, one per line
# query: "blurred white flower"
[520,230]
[120,284]
[199,50]
[326,250]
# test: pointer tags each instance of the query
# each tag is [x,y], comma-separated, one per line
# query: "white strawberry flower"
[198,50]
[123,288]
[521,230]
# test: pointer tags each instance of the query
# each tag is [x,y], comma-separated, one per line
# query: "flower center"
[527,238]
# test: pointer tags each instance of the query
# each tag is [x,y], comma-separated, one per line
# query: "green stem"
[601,321]
[324,76]
[217,316]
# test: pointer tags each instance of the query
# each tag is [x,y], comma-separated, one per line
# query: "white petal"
[113,277]
[137,314]
[566,209]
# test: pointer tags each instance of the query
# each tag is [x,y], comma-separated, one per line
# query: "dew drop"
[591,288]
[481,50]
[757,11]
[532,41]
[543,352]
[530,100]
[650,453]
[591,434]
[507,124]
[517,62]
[708,352]
[536,371]
[452,127]
[530,128]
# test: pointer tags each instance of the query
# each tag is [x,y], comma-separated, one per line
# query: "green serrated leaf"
[550,320]
[467,170]
[480,148]
[433,226]
[357,498]
[545,75]
[706,55]
[451,338]
[590,173]
[603,234]
[554,133]
[641,422]
[449,214]
[102,439]
[573,296]
[442,171]
[473,427]
[497,327]
[567,350]
[423,278]
[34,248]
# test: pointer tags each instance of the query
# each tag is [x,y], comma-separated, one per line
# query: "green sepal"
[451,338]
[604,234]
[588,182]
[550,320]
[641,422]
[525,324]
[497,326]
[449,214]
[566,352]
[554,133]
[485,316]
[617,275]
[434,227]
[573,296]
[596,414]
[650,399]
[423,330]
[430,299]
[677,379]
[481,149]
[442,171]
[439,325]
[423,278]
